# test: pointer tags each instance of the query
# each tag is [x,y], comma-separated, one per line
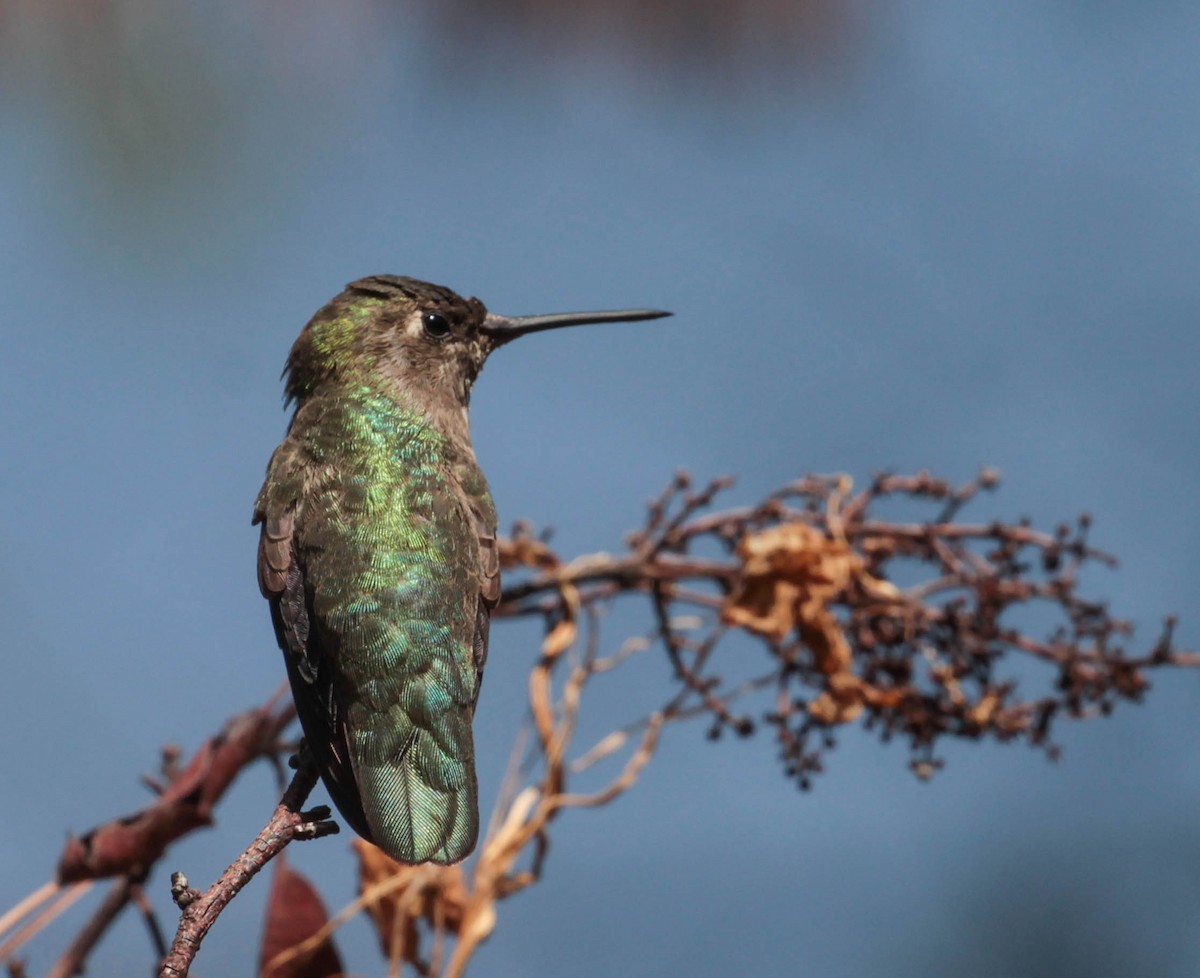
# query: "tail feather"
[413,820]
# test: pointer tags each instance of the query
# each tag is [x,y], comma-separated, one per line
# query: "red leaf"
[295,913]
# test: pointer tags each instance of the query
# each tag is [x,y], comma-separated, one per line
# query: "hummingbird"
[378,554]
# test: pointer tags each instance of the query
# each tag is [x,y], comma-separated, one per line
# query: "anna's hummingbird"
[378,553]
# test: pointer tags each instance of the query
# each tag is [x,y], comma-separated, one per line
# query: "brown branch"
[631,573]
[131,845]
[72,960]
[23,908]
[60,898]
[288,823]
[905,627]
[128,847]
[623,782]
[917,661]
[153,928]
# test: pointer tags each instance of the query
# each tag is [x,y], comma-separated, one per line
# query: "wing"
[281,578]
[484,518]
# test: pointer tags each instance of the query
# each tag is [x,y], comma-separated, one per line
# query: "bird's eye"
[436,325]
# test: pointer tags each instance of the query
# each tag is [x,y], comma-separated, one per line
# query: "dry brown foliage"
[295,912]
[917,629]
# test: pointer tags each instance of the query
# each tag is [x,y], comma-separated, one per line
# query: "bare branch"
[72,961]
[131,845]
[288,823]
[907,628]
[60,899]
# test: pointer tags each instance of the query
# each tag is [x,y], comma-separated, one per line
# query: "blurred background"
[894,236]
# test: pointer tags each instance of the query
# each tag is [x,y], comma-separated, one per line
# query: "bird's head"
[419,340]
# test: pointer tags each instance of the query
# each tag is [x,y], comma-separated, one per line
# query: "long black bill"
[503,329]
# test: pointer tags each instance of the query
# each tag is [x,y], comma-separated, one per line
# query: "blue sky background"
[959,234]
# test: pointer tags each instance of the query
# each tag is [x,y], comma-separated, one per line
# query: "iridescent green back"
[387,548]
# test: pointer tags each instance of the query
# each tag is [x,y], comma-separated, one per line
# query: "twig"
[901,626]
[62,900]
[72,960]
[200,912]
[26,906]
[131,845]
[153,928]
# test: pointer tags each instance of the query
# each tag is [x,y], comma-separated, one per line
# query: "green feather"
[391,564]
